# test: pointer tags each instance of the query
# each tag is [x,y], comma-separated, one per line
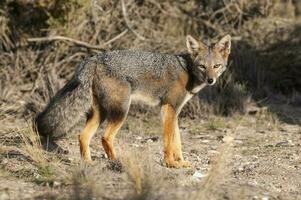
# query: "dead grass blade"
[218,170]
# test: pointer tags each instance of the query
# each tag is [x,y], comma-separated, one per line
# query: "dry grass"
[134,171]
[142,175]
[34,71]
[46,165]
[219,167]
[29,160]
[32,146]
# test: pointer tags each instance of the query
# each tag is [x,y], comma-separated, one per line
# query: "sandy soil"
[241,157]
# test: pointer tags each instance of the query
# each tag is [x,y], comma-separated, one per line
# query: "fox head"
[209,62]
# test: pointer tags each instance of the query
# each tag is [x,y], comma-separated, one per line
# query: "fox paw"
[172,164]
[178,164]
[88,161]
[185,163]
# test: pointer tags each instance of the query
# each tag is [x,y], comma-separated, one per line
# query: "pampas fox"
[105,85]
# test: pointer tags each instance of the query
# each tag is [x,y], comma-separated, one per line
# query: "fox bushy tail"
[69,104]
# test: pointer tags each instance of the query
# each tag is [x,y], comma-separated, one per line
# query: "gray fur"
[112,78]
[131,64]
[69,104]
[126,66]
[134,66]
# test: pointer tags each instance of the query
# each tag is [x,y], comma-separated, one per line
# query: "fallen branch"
[63,38]
[77,42]
[115,38]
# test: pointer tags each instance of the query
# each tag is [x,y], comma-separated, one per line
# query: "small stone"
[138,138]
[228,139]
[198,175]
[239,141]
[154,139]
[241,169]
[135,145]
[149,141]
[4,195]
[213,152]
[56,184]
[282,144]
[4,161]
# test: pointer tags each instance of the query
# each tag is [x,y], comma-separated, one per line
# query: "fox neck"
[197,88]
[194,84]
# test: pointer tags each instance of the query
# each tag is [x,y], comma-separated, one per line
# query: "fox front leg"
[169,129]
[177,150]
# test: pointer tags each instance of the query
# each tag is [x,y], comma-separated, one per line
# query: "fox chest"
[189,95]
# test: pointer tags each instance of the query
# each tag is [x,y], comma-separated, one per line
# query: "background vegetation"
[34,63]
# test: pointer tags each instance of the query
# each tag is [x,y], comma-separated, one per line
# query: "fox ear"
[193,45]
[224,46]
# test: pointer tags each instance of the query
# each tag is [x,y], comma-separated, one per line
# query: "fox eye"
[217,65]
[202,67]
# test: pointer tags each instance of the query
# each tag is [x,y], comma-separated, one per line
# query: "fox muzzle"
[211,81]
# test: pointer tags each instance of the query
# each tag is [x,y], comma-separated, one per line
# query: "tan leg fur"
[88,132]
[177,150]
[169,119]
[108,138]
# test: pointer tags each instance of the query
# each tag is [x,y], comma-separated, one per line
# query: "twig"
[63,38]
[116,37]
[77,42]
[128,23]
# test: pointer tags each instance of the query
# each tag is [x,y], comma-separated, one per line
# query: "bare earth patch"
[241,157]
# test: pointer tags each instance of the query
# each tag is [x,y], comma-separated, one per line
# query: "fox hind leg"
[88,132]
[114,96]
[113,126]
[116,116]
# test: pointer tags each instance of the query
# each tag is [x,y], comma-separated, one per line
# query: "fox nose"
[210,80]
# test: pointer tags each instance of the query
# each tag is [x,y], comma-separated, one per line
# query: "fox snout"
[211,81]
[211,75]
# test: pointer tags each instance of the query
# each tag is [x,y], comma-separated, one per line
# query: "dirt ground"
[252,156]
